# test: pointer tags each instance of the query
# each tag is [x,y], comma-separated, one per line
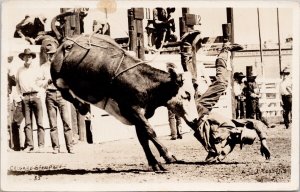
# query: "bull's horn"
[53,27]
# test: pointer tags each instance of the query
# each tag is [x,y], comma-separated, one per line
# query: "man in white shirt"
[238,86]
[286,95]
[27,78]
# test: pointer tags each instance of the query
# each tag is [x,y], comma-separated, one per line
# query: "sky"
[212,18]
[246,23]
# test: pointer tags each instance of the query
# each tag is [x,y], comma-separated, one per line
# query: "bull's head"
[183,103]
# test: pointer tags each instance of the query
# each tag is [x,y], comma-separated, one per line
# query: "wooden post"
[279,44]
[136,32]
[228,32]
[72,24]
[259,36]
[229,12]
[138,17]
[261,52]
[226,29]
[132,30]
[183,24]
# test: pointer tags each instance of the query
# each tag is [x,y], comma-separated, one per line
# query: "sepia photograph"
[111,95]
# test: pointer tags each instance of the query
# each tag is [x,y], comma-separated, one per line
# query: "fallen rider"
[219,135]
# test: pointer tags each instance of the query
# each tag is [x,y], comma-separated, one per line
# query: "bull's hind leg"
[144,141]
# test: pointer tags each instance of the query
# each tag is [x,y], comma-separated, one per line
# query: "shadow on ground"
[108,170]
[76,171]
[207,163]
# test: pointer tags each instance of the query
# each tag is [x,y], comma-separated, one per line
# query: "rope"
[159,49]
[74,41]
[90,44]
[141,62]
[119,65]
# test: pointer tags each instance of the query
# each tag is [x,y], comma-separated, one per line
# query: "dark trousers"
[55,101]
[252,109]
[175,124]
[33,104]
[78,124]
[212,95]
[159,35]
[9,121]
[287,108]
[17,118]
[240,109]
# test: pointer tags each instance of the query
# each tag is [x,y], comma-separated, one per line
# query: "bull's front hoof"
[158,168]
[211,157]
[170,159]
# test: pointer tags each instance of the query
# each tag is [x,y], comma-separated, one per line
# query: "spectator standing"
[16,114]
[286,96]
[174,120]
[54,102]
[78,125]
[164,26]
[27,82]
[238,86]
[150,30]
[11,80]
[252,97]
[175,126]
[17,118]
[83,12]
[101,27]
[170,36]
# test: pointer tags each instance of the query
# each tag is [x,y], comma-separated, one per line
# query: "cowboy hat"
[171,9]
[27,52]
[238,75]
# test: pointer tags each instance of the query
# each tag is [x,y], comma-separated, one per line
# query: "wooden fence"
[270,97]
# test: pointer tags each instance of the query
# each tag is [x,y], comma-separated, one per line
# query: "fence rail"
[270,101]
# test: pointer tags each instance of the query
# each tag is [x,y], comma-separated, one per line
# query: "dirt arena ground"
[123,162]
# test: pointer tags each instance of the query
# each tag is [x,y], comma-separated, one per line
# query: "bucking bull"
[93,69]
